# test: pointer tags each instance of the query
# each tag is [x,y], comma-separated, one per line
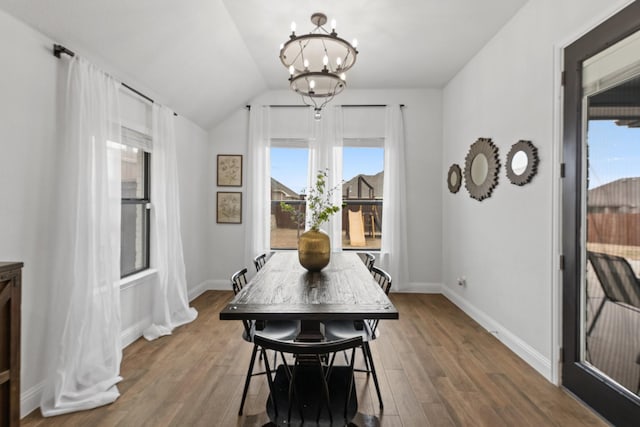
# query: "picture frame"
[229,168]
[229,207]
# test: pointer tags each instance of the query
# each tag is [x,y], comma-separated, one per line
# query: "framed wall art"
[229,207]
[229,170]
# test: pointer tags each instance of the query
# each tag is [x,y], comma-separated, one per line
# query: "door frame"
[616,406]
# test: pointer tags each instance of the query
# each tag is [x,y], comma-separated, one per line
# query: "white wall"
[27,175]
[423,119]
[29,107]
[507,246]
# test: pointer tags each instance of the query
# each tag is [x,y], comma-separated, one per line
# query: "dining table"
[284,290]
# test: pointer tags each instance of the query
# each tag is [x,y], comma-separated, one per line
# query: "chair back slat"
[616,277]
[384,280]
[239,280]
[369,260]
[382,277]
[260,261]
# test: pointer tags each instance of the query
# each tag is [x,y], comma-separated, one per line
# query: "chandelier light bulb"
[281,46]
[333,25]
[293,27]
[292,70]
[306,64]
[312,84]
[355,43]
[325,60]
[338,61]
[343,77]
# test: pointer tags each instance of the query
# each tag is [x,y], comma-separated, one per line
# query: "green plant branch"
[319,203]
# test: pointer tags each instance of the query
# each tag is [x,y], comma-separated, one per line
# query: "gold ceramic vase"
[314,250]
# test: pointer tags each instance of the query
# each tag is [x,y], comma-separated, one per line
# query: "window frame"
[145,201]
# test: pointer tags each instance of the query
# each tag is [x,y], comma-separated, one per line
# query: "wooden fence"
[614,228]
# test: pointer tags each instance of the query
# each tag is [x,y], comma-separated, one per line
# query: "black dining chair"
[273,329]
[315,387]
[368,260]
[368,331]
[260,261]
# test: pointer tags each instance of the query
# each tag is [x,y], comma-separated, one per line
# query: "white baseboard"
[133,332]
[419,288]
[200,289]
[30,399]
[508,338]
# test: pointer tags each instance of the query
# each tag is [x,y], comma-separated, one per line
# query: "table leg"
[310,331]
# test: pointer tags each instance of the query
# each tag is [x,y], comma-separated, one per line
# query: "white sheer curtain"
[394,218]
[258,189]
[170,300]
[325,152]
[84,350]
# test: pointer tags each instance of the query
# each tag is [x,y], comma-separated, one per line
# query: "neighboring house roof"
[350,188]
[278,187]
[623,192]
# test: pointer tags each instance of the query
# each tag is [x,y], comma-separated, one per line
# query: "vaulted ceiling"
[205,58]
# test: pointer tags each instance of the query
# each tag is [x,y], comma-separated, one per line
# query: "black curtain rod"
[248,107]
[58,50]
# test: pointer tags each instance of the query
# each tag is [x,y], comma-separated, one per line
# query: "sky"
[289,165]
[614,152]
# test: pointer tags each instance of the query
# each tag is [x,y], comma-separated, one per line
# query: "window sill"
[137,278]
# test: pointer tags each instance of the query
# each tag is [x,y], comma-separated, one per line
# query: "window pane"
[362,192]
[288,183]
[134,241]
[132,173]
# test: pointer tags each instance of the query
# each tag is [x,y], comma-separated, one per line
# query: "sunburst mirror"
[454,178]
[481,167]
[522,162]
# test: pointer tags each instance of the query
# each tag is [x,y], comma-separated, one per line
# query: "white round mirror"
[479,169]
[519,162]
[522,162]
[453,179]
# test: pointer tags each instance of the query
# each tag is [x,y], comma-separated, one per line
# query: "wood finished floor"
[436,366]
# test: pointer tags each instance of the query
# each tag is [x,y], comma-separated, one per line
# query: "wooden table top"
[283,289]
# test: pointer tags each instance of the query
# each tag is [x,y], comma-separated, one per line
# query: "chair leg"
[293,394]
[325,391]
[366,360]
[595,318]
[272,390]
[350,387]
[367,349]
[248,379]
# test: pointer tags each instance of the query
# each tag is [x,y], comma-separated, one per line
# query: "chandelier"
[318,62]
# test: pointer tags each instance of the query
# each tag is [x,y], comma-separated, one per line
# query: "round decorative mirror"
[481,167]
[454,178]
[522,162]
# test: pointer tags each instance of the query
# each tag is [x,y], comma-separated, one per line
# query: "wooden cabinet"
[10,277]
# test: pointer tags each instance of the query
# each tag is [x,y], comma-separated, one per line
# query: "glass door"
[601,219]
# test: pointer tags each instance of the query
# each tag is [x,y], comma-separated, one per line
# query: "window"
[362,191]
[289,170]
[361,162]
[135,168]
